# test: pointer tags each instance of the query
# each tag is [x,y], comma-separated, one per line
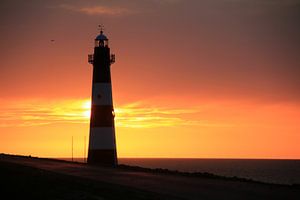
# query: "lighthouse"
[102,142]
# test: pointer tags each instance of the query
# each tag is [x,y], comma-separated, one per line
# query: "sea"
[277,171]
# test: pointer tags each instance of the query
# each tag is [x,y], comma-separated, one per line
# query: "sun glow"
[139,124]
[134,115]
[86,105]
[87,114]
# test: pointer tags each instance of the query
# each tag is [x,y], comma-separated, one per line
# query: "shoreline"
[60,179]
[164,171]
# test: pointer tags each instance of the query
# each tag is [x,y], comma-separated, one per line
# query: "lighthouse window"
[101,43]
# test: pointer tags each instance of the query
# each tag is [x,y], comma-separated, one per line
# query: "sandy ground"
[66,180]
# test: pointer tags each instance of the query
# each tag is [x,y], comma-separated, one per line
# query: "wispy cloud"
[98,10]
[168,1]
[139,115]
[41,112]
[134,115]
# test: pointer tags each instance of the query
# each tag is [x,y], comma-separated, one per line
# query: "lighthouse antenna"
[72,149]
[101,28]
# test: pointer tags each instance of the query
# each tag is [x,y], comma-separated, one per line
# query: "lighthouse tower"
[102,143]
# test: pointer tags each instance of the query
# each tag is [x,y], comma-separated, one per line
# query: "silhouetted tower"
[102,144]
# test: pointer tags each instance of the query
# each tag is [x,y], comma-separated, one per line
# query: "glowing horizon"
[139,124]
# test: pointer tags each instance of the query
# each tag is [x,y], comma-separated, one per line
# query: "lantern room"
[101,40]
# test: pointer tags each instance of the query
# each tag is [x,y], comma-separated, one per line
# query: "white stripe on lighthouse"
[102,138]
[102,94]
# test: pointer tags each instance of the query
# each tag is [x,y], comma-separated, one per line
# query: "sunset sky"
[192,79]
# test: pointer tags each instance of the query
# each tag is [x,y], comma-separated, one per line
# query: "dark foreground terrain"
[23,182]
[34,178]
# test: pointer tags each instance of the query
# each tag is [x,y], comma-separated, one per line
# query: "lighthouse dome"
[101,37]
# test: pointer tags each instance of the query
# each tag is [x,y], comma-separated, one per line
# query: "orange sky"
[196,79]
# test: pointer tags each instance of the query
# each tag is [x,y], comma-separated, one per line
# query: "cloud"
[139,115]
[41,112]
[167,1]
[98,10]
[134,115]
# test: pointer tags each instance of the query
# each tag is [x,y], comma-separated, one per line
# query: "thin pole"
[84,149]
[72,148]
